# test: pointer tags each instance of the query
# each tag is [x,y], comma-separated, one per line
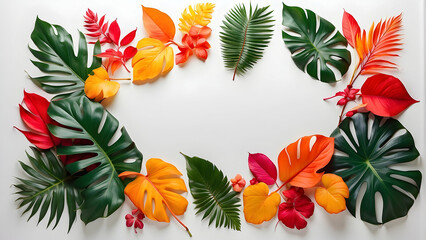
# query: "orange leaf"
[332,196]
[153,58]
[259,205]
[383,40]
[298,163]
[98,86]
[158,190]
[158,24]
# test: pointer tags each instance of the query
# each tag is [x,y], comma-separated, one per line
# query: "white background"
[198,110]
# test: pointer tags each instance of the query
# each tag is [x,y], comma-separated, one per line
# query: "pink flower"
[135,219]
[349,94]
[238,183]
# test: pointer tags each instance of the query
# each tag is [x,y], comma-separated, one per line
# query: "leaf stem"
[120,79]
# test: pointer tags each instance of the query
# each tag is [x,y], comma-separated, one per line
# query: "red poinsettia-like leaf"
[263,169]
[385,95]
[350,28]
[37,119]
[128,38]
[298,206]
[114,32]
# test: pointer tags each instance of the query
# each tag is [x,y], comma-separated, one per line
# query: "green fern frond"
[245,36]
[212,193]
[47,187]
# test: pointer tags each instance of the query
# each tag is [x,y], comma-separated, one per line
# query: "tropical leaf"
[385,95]
[47,187]
[99,86]
[332,196]
[157,191]
[158,24]
[259,205]
[153,59]
[212,193]
[198,15]
[245,36]
[103,191]
[300,161]
[383,41]
[66,71]
[367,158]
[312,44]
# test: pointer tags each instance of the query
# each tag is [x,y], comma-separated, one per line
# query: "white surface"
[199,110]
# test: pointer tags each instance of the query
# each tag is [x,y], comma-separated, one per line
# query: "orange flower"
[238,183]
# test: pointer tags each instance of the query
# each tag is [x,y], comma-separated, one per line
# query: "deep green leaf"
[369,161]
[66,71]
[213,194]
[46,187]
[245,36]
[311,42]
[103,191]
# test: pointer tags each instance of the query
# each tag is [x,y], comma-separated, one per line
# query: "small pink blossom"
[135,219]
[238,183]
[349,94]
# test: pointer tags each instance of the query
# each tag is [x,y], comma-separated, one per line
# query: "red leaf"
[37,119]
[114,32]
[115,65]
[183,55]
[262,168]
[128,38]
[129,52]
[298,206]
[385,95]
[350,28]
[110,53]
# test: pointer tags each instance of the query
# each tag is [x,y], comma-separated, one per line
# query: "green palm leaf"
[212,193]
[245,36]
[47,188]
[55,56]
[312,42]
[103,191]
[368,157]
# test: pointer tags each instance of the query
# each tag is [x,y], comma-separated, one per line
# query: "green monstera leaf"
[367,157]
[102,189]
[47,187]
[55,56]
[312,44]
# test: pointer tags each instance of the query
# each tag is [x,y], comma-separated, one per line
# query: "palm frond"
[212,193]
[245,36]
[47,187]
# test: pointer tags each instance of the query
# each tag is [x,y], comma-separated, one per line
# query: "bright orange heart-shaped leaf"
[158,190]
[259,205]
[298,163]
[332,196]
[158,24]
[98,86]
[152,59]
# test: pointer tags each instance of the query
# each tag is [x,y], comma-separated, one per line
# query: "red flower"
[194,41]
[349,94]
[238,183]
[135,219]
[292,212]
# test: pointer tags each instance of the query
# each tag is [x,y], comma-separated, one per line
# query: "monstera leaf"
[55,56]
[312,44]
[47,188]
[367,158]
[103,191]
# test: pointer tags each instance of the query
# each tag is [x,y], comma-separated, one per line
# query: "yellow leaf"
[201,15]
[332,196]
[259,206]
[152,59]
[158,190]
[98,86]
